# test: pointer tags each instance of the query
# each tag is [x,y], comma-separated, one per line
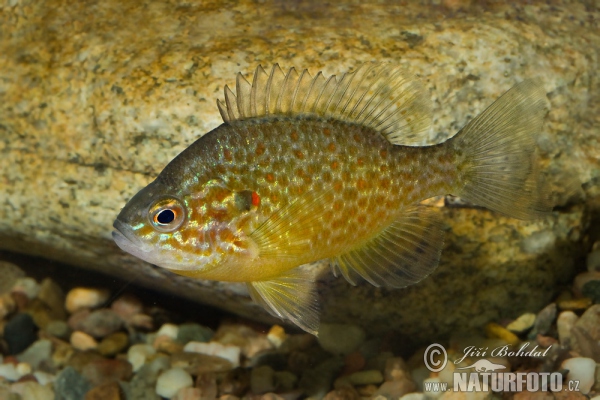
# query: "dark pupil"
[165,217]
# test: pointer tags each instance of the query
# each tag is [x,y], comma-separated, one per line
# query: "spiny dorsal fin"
[377,95]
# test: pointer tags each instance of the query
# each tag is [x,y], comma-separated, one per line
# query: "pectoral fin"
[403,254]
[291,296]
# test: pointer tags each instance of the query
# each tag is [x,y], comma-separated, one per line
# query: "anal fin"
[401,255]
[292,296]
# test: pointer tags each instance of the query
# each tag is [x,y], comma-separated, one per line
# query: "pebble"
[100,323]
[70,385]
[10,273]
[190,393]
[315,382]
[138,354]
[353,362]
[169,382]
[7,305]
[9,372]
[197,363]
[340,339]
[207,383]
[169,330]
[230,353]
[592,290]
[396,389]
[37,354]
[343,393]
[235,382]
[590,322]
[564,324]
[285,380]
[126,306]
[43,377]
[262,380]
[107,391]
[167,345]
[58,329]
[62,353]
[413,396]
[113,344]
[543,321]
[105,370]
[27,286]
[141,321]
[581,369]
[522,323]
[80,298]
[575,304]
[194,333]
[276,336]
[496,331]
[396,369]
[143,384]
[82,341]
[40,312]
[52,295]
[593,261]
[366,377]
[32,391]
[19,333]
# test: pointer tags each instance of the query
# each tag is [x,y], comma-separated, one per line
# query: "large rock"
[96,98]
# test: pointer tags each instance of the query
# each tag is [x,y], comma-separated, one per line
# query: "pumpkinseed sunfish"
[308,168]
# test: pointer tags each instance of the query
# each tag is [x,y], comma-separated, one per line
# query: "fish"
[307,168]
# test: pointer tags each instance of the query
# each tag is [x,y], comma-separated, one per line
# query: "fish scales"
[371,181]
[307,168]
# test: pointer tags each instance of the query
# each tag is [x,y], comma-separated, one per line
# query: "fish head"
[191,234]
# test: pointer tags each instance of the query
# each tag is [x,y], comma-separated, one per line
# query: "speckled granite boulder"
[96,97]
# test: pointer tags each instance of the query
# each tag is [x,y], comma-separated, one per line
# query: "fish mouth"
[125,238]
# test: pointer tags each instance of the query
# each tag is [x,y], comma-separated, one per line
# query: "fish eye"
[166,215]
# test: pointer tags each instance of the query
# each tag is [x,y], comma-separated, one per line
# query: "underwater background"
[97,97]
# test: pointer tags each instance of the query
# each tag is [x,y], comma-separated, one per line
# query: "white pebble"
[23,368]
[9,372]
[28,286]
[170,381]
[82,341]
[79,298]
[413,396]
[32,391]
[44,378]
[231,353]
[564,323]
[581,369]
[170,330]
[138,354]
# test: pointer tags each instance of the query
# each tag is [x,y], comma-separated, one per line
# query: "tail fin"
[497,165]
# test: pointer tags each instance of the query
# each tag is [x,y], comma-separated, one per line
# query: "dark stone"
[20,332]
[70,385]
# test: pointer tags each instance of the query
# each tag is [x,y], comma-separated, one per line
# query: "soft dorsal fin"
[380,96]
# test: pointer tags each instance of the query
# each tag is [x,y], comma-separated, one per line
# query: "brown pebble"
[545,341]
[524,395]
[207,383]
[28,378]
[196,363]
[127,306]
[576,304]
[141,321]
[76,318]
[62,353]
[82,298]
[20,299]
[113,344]
[82,341]
[52,295]
[80,359]
[40,312]
[566,394]
[107,391]
[7,305]
[235,382]
[495,331]
[367,390]
[167,345]
[102,371]
[396,369]
[353,362]
[343,393]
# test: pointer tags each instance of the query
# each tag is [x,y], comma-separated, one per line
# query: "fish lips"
[125,238]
